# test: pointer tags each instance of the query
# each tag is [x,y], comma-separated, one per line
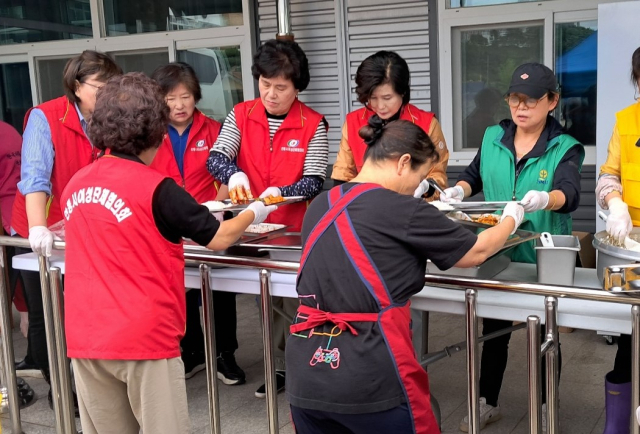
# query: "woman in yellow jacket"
[383,88]
[618,190]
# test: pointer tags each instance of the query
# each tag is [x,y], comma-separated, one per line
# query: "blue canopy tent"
[577,69]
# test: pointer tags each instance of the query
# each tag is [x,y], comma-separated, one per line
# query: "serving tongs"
[432,182]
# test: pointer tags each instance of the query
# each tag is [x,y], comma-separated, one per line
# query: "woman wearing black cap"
[540,167]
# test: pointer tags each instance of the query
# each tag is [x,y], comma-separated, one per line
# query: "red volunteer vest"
[359,118]
[73,151]
[393,319]
[279,162]
[124,283]
[197,180]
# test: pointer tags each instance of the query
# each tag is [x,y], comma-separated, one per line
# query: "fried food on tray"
[272,200]
[488,219]
[240,195]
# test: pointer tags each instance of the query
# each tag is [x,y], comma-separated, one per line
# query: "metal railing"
[199,255]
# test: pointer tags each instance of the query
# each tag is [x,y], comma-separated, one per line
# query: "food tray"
[286,246]
[241,206]
[467,207]
[487,270]
[519,237]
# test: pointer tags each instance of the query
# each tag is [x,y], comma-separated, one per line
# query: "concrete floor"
[586,360]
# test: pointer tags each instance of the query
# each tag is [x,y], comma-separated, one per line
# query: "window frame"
[452,20]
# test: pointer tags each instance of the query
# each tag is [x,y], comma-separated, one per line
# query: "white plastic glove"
[239,188]
[423,187]
[514,211]
[41,240]
[535,200]
[271,191]
[619,222]
[452,194]
[260,211]
[218,216]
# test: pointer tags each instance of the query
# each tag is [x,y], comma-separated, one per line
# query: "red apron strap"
[362,261]
[316,317]
[329,217]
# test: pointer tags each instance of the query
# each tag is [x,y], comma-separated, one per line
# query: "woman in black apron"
[352,367]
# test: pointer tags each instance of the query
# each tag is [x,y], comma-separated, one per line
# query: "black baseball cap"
[533,80]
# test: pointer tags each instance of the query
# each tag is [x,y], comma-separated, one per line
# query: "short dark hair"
[131,115]
[88,63]
[384,67]
[394,139]
[635,67]
[174,74]
[285,59]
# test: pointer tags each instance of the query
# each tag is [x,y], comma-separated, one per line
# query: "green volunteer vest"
[497,169]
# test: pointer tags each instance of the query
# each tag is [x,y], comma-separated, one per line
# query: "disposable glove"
[619,222]
[239,188]
[452,194]
[260,211]
[535,200]
[423,187]
[41,240]
[515,211]
[271,191]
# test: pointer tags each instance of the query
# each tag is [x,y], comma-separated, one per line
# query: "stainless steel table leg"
[210,349]
[267,339]
[473,362]
[54,372]
[7,348]
[66,395]
[535,383]
[551,314]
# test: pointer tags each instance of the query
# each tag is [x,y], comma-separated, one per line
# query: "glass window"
[142,61]
[484,60]
[452,4]
[576,55]
[49,73]
[15,93]
[24,21]
[125,17]
[220,73]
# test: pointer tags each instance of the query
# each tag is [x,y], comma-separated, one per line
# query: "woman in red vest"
[383,87]
[129,375]
[274,145]
[183,156]
[352,366]
[56,127]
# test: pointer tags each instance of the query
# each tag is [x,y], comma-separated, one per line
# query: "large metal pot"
[609,255]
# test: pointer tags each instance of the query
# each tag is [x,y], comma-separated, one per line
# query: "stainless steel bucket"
[609,255]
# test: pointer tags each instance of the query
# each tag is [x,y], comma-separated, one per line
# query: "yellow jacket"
[623,159]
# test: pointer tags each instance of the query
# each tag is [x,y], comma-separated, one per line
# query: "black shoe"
[26,368]
[229,371]
[280,381]
[193,364]
[25,393]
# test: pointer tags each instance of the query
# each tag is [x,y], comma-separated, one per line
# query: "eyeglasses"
[515,100]
[93,85]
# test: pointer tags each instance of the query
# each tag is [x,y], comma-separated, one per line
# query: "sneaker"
[26,368]
[488,414]
[193,364]
[229,371]
[280,381]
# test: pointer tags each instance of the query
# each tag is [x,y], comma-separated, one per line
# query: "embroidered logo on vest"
[293,143]
[200,146]
[292,146]
[542,177]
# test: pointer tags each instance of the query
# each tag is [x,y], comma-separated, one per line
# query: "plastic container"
[557,265]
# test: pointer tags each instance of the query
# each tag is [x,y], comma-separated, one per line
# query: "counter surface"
[590,315]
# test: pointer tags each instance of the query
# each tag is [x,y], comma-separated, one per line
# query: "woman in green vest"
[618,190]
[529,159]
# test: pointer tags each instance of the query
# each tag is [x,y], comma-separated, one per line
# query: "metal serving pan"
[286,246]
[481,207]
[609,255]
[519,237]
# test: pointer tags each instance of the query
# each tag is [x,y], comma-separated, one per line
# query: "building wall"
[338,34]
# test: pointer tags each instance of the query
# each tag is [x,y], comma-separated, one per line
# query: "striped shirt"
[316,160]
